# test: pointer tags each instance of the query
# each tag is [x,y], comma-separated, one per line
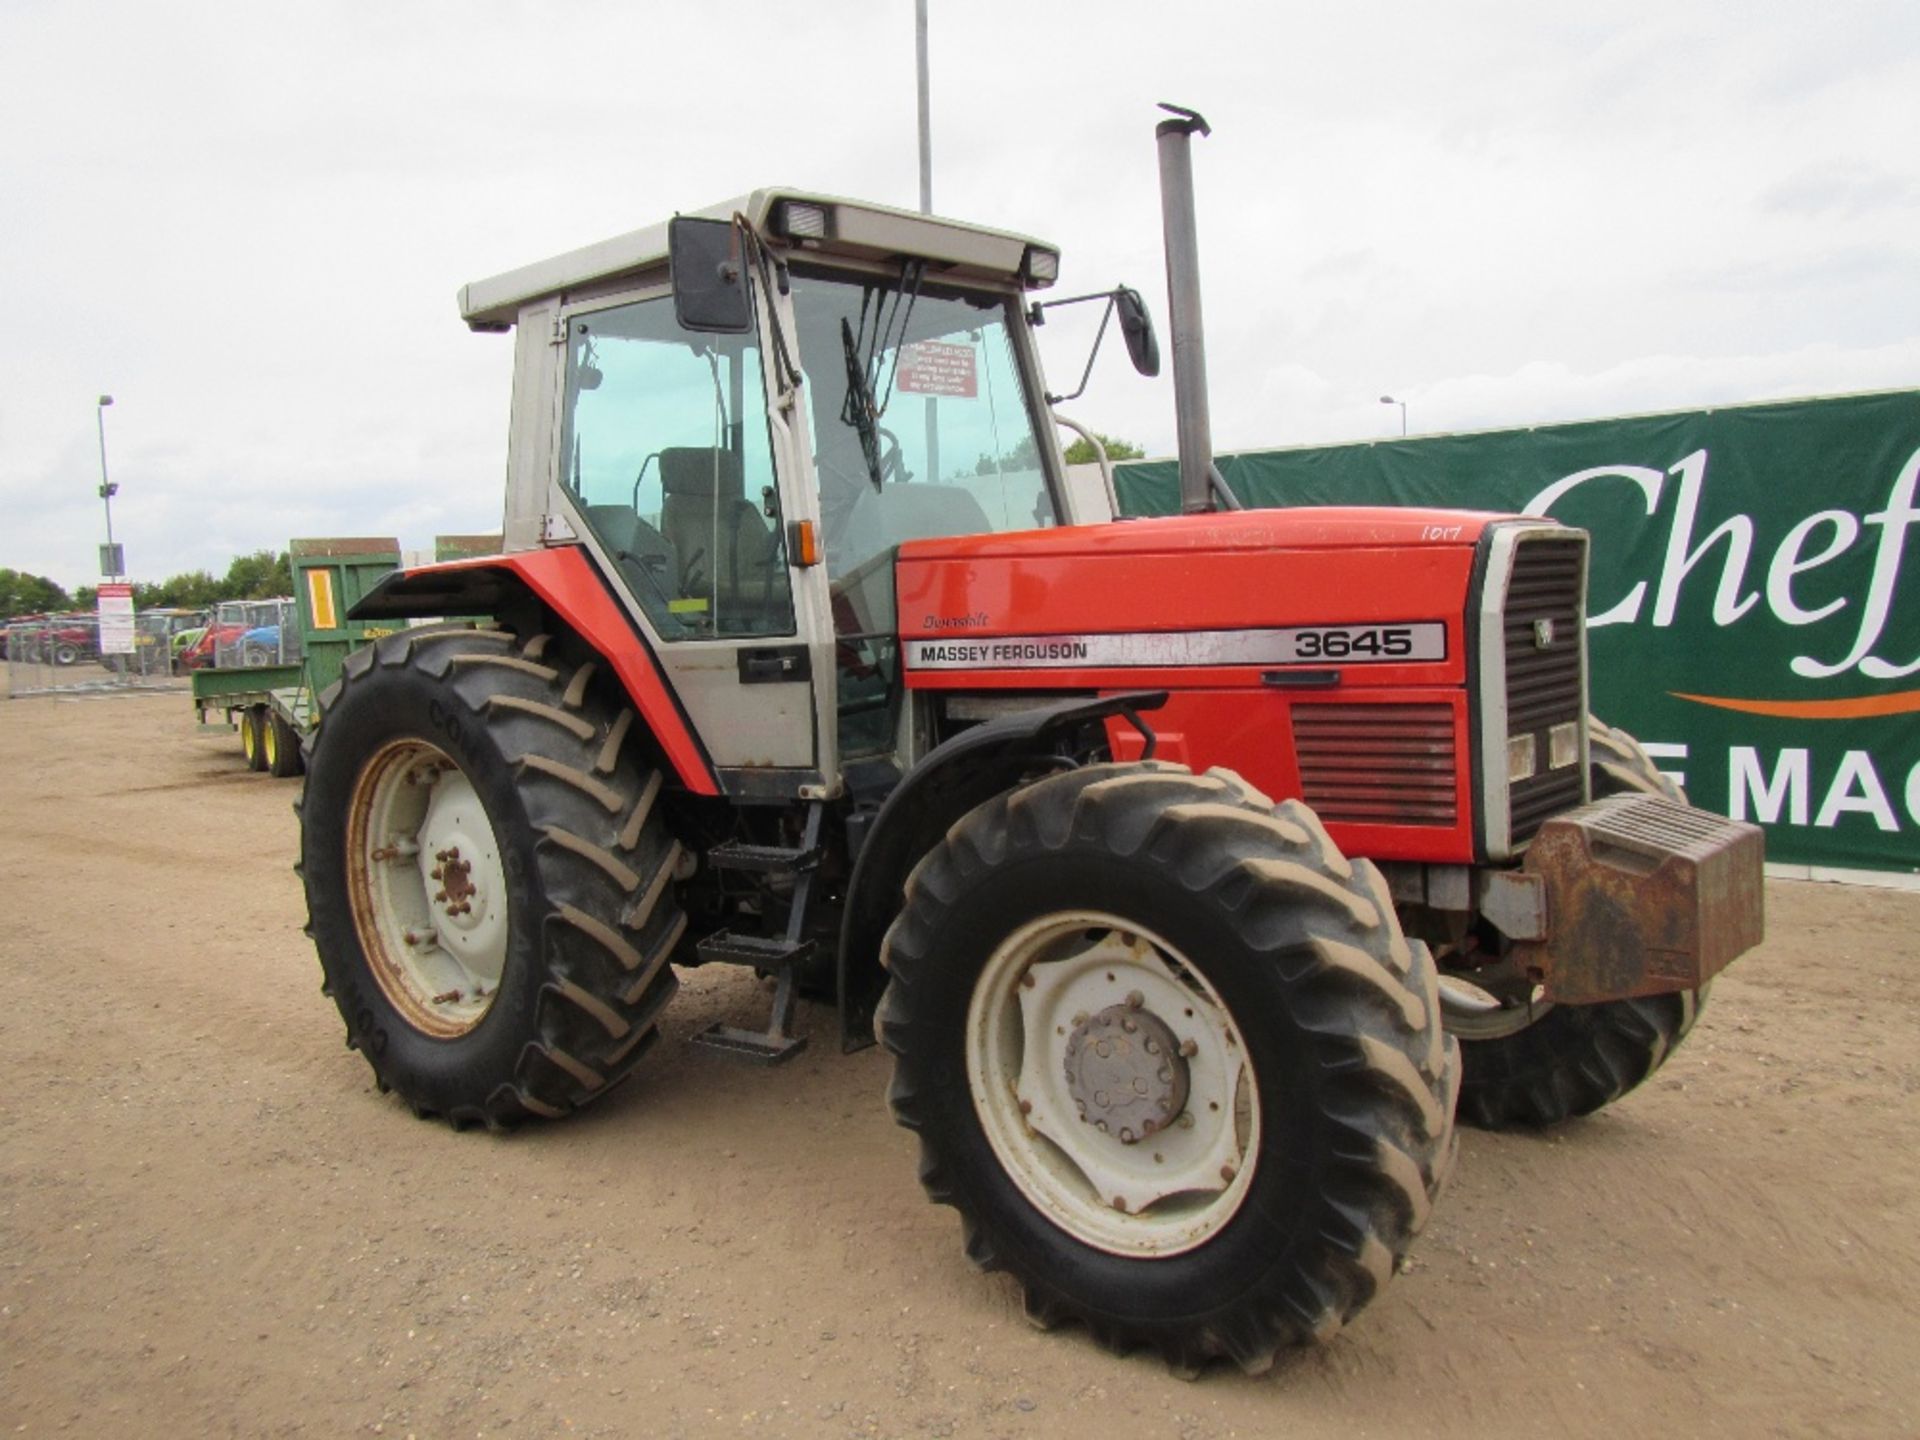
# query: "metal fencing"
[253,634]
[50,654]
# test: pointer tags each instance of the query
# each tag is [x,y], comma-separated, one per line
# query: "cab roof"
[855,228]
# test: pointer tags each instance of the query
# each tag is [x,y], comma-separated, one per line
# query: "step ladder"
[778,953]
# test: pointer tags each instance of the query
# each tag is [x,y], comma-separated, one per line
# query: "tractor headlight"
[1563,745]
[1039,268]
[799,220]
[1522,758]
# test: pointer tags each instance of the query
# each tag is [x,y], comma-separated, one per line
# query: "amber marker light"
[806,543]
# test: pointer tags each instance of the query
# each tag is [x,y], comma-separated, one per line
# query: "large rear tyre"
[1571,1060]
[489,879]
[1169,1056]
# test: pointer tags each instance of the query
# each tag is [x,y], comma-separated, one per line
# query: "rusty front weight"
[1644,897]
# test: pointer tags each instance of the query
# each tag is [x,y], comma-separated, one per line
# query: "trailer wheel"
[489,878]
[253,737]
[1549,1063]
[66,653]
[1169,1056]
[280,747]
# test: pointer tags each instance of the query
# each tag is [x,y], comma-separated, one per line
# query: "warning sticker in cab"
[937,367]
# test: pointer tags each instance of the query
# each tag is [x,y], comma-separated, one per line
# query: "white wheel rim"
[1058,979]
[428,889]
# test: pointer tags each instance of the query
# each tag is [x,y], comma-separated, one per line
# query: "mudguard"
[959,774]
[567,582]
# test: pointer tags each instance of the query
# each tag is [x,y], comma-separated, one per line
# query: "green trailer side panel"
[329,578]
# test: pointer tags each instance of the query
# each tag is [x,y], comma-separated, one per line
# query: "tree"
[24,594]
[1081,453]
[259,576]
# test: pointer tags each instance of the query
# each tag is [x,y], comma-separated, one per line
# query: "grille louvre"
[1378,764]
[1544,686]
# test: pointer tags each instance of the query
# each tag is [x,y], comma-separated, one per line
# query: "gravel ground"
[211,1224]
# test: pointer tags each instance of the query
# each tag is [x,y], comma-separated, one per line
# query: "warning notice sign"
[115,609]
[935,367]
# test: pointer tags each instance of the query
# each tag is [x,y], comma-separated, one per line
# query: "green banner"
[1753,615]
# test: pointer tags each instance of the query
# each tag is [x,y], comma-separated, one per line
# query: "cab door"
[669,458]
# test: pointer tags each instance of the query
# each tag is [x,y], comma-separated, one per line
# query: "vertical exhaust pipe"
[1174,138]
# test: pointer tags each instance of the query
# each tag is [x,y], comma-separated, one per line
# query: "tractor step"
[768,1047]
[763,859]
[776,953]
[763,952]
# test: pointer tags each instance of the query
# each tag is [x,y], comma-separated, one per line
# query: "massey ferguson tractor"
[1193,870]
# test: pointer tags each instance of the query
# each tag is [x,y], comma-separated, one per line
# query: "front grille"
[1377,764]
[1544,686]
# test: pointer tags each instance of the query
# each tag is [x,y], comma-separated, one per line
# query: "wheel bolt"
[1120,1203]
[1135,999]
[440,895]
[1227,1172]
[1189,1048]
[1026,1107]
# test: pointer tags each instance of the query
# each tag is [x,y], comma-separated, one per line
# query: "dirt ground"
[211,1224]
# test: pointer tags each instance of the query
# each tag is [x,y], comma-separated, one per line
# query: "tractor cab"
[742,416]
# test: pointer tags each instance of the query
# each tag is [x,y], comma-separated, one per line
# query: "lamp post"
[1389,400]
[107,488]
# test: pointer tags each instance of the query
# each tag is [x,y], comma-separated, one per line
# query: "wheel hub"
[429,886]
[459,895]
[1112,1084]
[1125,1072]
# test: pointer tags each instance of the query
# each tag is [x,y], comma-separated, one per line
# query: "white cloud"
[248,222]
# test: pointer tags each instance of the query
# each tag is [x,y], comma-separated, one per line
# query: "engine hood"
[1222,575]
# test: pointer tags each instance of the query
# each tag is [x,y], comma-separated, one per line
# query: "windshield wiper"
[860,411]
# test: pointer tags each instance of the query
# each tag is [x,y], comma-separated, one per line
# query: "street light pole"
[1389,400]
[926,109]
[107,488]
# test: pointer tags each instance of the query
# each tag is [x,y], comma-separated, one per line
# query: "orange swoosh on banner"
[1860,708]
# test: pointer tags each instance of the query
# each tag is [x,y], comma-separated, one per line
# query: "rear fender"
[966,771]
[566,581]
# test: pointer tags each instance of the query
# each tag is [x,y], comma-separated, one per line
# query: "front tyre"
[1552,1063]
[1170,1058]
[489,879]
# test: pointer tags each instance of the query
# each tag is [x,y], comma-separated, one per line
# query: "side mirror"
[709,277]
[1137,327]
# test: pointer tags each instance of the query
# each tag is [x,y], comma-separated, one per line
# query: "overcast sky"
[247,222]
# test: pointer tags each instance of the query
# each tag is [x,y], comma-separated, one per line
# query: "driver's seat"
[722,543]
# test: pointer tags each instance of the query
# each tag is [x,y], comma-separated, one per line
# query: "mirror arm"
[1106,318]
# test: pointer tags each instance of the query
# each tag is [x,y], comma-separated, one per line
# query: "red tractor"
[1193,870]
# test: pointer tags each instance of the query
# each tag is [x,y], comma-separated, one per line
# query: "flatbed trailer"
[273,708]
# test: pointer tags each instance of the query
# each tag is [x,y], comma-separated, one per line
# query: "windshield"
[922,425]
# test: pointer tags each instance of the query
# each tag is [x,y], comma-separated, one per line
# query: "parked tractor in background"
[1192,870]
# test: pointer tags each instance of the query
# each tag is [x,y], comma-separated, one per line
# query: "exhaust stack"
[1174,138]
